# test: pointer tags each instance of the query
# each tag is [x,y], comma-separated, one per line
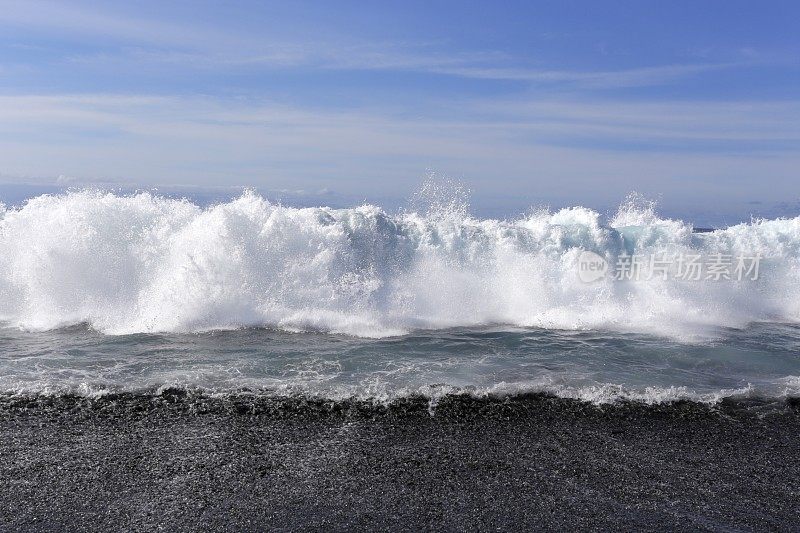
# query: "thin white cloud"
[752,121]
[555,148]
[687,121]
[192,46]
[635,77]
[88,22]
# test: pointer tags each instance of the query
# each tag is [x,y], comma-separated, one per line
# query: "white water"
[142,263]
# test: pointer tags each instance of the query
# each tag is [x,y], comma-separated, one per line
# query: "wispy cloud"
[191,46]
[635,77]
[542,119]
[328,56]
[390,58]
[87,21]
[557,149]
[774,124]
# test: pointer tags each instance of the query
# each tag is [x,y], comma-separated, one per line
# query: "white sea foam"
[143,263]
[384,394]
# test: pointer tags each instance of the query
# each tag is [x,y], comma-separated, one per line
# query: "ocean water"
[104,293]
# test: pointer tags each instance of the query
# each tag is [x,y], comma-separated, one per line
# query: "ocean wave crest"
[144,263]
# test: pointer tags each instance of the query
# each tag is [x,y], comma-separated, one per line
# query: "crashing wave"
[144,263]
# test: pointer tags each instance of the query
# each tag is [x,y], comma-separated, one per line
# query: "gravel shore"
[248,463]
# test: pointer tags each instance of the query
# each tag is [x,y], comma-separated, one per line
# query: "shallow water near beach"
[598,366]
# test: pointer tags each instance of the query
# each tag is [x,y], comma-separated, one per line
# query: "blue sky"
[694,104]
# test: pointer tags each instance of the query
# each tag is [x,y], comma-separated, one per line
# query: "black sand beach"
[139,462]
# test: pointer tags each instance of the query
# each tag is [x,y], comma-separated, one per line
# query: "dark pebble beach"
[185,461]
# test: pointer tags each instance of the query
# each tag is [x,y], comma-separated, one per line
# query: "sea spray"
[145,263]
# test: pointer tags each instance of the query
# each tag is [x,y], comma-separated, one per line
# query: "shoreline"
[533,461]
